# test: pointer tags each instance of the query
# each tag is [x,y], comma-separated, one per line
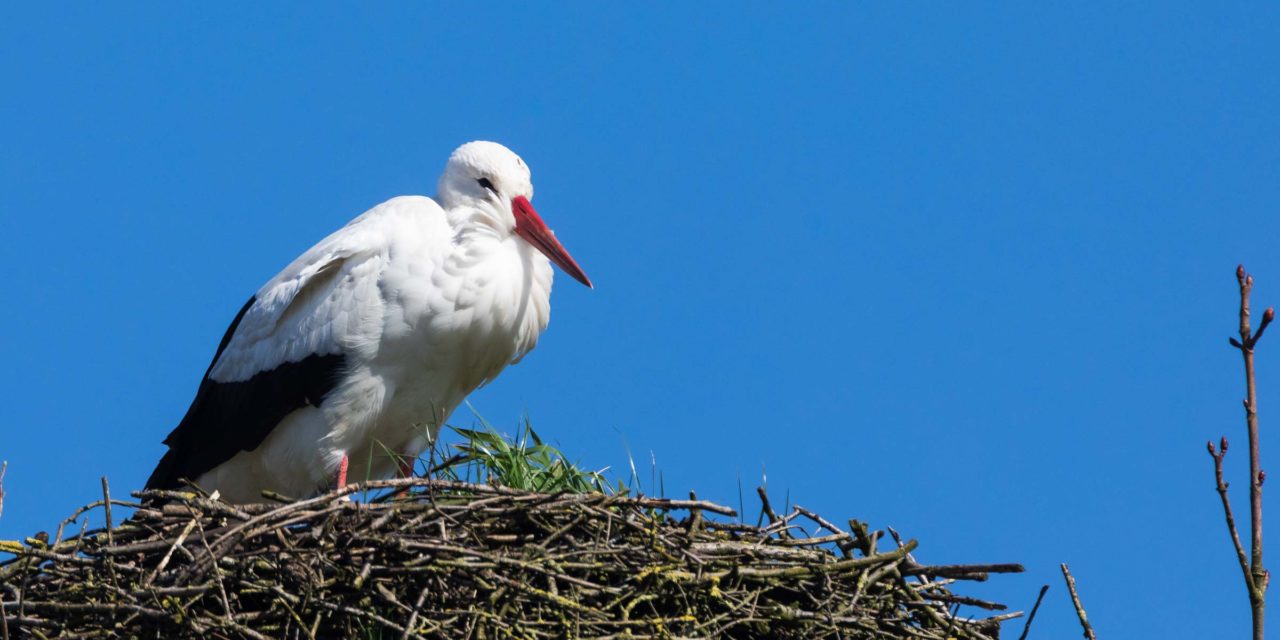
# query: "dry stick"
[1256,576]
[695,515]
[413,617]
[4,619]
[217,574]
[765,506]
[954,570]
[4,466]
[1036,607]
[164,562]
[106,500]
[1075,599]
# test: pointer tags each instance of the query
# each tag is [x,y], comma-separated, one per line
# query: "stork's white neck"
[508,279]
[474,220]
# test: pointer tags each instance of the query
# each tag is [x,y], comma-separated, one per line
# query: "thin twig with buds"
[1256,577]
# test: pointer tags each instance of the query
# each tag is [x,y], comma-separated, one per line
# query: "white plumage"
[364,345]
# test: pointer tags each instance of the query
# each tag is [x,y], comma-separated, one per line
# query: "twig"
[106,505]
[1256,576]
[106,501]
[1032,616]
[1075,600]
[1218,455]
[4,466]
[164,562]
[413,617]
[695,515]
[953,570]
[765,506]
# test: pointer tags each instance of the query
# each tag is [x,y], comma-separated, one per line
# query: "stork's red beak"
[529,225]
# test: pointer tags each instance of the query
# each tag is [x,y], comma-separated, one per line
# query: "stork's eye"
[484,182]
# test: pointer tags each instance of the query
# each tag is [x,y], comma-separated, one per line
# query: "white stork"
[364,345]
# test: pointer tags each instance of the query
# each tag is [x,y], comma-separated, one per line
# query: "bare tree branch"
[1256,576]
[1218,455]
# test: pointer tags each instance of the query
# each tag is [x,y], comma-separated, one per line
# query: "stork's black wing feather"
[229,417]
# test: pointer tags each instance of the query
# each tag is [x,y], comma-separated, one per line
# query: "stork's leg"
[407,465]
[342,472]
[406,470]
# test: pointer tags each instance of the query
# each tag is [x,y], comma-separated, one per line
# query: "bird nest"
[449,559]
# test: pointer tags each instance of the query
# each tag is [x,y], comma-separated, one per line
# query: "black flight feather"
[229,417]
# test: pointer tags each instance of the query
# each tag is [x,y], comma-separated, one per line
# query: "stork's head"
[493,182]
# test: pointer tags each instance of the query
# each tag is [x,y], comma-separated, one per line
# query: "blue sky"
[962,270]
